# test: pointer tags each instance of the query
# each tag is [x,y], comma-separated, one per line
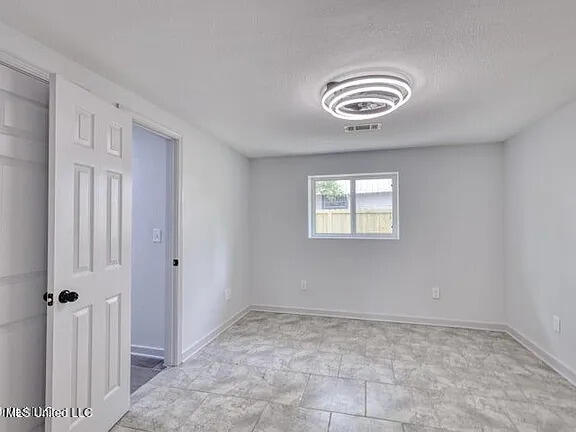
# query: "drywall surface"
[217,255]
[451,228]
[541,233]
[149,259]
[213,180]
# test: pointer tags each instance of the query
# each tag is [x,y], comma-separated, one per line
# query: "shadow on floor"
[143,369]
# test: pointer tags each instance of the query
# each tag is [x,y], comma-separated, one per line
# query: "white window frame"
[312,234]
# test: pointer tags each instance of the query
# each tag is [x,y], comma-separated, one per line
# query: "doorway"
[154,256]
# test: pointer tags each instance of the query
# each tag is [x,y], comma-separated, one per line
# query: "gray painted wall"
[451,236]
[541,233]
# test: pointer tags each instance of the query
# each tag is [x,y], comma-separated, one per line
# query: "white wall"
[150,211]
[541,233]
[451,229]
[217,253]
[215,180]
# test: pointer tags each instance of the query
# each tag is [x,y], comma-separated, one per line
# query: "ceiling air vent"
[363,127]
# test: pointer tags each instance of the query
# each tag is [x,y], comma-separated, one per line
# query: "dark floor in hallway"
[143,369]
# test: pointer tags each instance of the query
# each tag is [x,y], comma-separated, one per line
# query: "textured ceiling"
[251,71]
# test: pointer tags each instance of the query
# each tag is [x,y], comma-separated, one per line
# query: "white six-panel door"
[88,358]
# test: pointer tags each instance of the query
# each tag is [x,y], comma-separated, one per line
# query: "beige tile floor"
[289,373]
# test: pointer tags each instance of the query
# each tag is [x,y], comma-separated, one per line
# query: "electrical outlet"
[303,285]
[556,323]
[436,293]
[156,235]
[227,294]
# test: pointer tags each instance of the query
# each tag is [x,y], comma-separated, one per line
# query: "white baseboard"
[552,361]
[201,343]
[146,351]
[440,322]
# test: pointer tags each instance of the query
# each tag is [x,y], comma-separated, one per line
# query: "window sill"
[355,237]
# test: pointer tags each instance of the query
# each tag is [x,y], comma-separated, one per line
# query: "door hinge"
[175,262]
[48,298]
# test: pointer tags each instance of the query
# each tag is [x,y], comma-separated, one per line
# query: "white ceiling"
[251,71]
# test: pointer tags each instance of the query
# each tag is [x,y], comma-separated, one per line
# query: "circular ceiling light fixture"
[365,97]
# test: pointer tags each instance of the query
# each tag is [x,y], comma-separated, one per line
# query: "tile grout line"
[304,391]
[365,398]
[260,416]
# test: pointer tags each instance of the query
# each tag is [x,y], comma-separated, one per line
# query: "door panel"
[23,245]
[81,370]
[114,218]
[113,342]
[18,113]
[89,254]
[83,218]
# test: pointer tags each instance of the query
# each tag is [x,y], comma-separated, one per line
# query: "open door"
[89,255]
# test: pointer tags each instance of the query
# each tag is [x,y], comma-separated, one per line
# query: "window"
[361,206]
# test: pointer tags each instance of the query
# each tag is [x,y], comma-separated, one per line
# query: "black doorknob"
[67,296]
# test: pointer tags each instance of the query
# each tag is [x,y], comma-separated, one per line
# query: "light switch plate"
[156,235]
[556,323]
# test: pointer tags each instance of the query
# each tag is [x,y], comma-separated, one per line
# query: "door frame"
[16,63]
[173,337]
[173,295]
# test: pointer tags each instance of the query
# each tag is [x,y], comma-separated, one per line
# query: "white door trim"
[173,327]
[16,63]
